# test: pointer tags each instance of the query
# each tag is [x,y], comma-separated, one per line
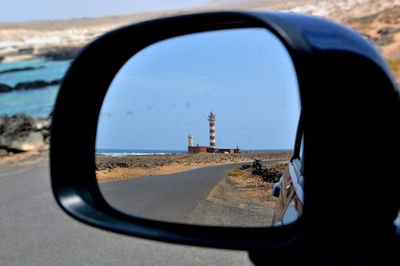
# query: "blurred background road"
[34,231]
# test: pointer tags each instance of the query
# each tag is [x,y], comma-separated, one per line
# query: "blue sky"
[166,91]
[25,10]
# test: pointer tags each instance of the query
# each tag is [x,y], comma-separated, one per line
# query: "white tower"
[190,140]
[212,119]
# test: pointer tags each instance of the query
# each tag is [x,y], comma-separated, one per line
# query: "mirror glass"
[185,120]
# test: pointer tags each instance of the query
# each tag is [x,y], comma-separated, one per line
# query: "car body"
[350,111]
[290,193]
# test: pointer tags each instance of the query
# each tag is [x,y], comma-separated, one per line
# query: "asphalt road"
[34,231]
[182,197]
[171,197]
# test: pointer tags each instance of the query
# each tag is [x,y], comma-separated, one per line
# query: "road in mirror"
[184,122]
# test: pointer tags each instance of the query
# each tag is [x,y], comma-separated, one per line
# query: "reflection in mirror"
[184,122]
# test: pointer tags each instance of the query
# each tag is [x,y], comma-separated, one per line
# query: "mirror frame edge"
[77,192]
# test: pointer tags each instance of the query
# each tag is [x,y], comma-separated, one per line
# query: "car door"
[290,188]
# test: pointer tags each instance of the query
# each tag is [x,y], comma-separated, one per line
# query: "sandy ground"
[109,168]
[247,191]
[24,158]
[118,174]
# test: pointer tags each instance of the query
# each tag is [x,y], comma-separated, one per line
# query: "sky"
[26,10]
[166,92]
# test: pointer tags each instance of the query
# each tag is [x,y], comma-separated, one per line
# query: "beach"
[116,168]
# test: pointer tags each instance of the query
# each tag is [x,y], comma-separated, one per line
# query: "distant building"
[197,149]
[210,149]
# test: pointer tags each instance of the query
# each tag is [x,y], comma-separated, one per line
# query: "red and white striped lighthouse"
[212,119]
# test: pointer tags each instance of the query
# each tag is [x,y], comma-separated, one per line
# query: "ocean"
[37,102]
[128,152]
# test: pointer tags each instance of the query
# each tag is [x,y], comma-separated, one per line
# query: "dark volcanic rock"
[35,84]
[24,142]
[5,88]
[29,85]
[3,152]
[271,175]
[20,69]
[61,53]
[383,40]
[23,51]
[15,124]
[388,30]
[386,36]
[22,133]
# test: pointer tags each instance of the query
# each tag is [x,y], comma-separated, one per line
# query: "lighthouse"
[212,119]
[210,149]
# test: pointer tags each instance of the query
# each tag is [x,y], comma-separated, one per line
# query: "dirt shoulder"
[244,189]
[24,158]
[109,169]
[246,198]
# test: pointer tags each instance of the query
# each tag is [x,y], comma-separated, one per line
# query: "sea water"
[37,102]
[128,152]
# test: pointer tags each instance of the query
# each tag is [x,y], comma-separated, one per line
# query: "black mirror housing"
[346,90]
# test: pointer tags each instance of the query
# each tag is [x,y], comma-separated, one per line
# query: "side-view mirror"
[190,125]
[161,153]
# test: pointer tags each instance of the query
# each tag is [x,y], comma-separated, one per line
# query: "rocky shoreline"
[37,84]
[21,133]
[20,69]
[110,169]
[53,52]
[152,161]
